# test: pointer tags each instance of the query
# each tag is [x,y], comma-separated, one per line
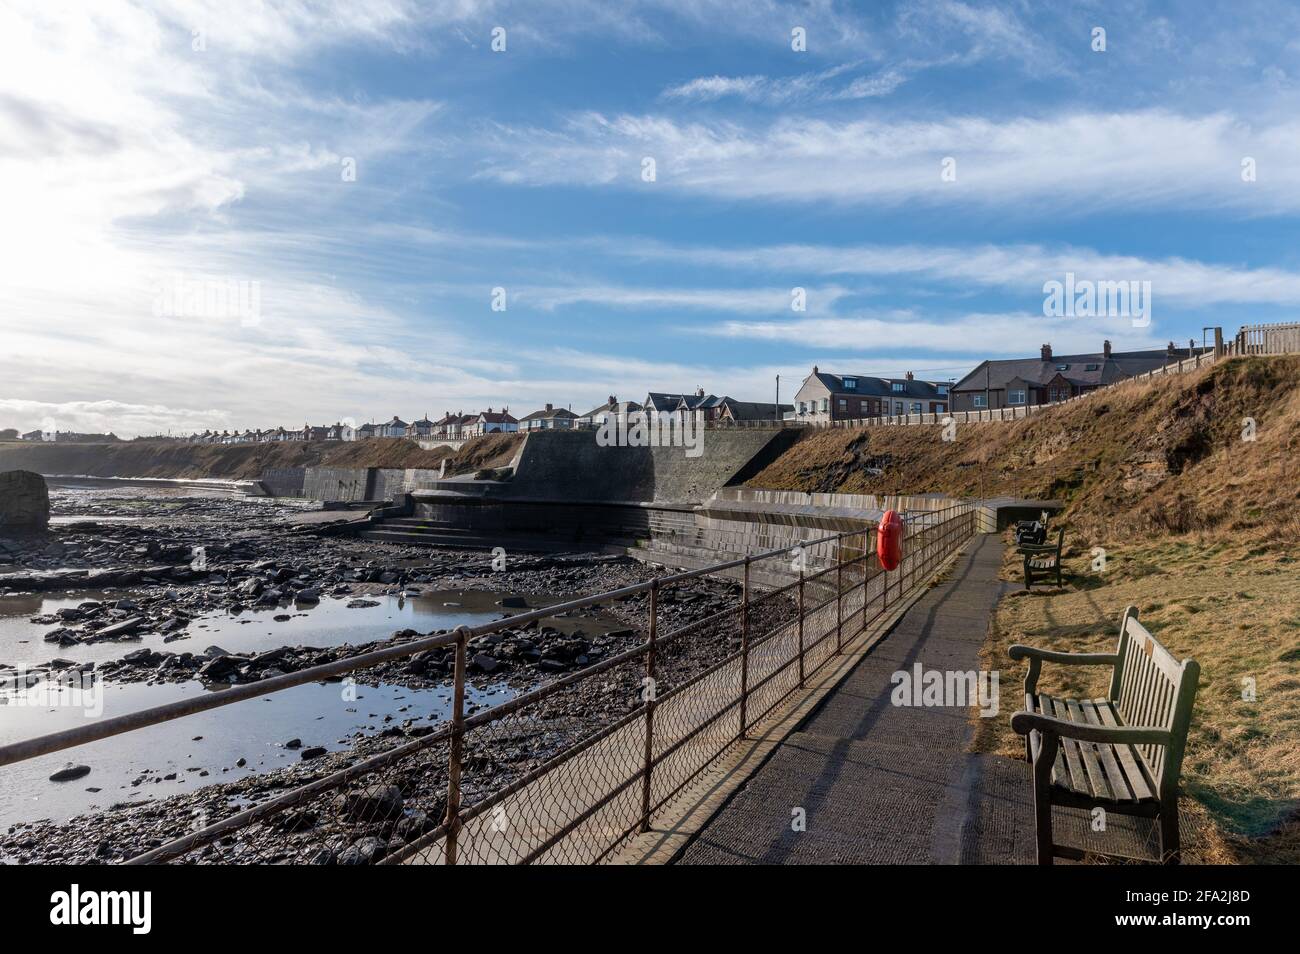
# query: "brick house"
[549,418]
[825,397]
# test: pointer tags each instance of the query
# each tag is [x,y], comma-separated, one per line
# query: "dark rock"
[315,752]
[71,773]
[24,501]
[373,803]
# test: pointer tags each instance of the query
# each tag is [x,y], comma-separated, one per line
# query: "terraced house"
[1050,378]
[824,397]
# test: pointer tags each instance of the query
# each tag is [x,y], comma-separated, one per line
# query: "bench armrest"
[1019,651]
[1025,722]
[1037,657]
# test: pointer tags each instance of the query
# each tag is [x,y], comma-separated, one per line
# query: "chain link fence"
[571,770]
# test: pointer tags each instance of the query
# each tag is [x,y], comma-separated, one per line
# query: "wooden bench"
[1043,560]
[1032,531]
[1122,753]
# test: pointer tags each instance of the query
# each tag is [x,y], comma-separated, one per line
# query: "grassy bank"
[1164,456]
[248,461]
[1235,608]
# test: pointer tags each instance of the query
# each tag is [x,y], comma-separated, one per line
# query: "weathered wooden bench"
[1032,531]
[1043,560]
[1122,753]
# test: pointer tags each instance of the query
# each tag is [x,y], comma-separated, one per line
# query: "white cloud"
[1075,162]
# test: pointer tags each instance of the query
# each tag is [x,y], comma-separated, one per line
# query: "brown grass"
[1161,456]
[248,461]
[1235,608]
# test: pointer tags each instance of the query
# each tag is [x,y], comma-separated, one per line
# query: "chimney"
[699,392]
[1046,352]
[548,406]
[1105,349]
[910,376]
[612,400]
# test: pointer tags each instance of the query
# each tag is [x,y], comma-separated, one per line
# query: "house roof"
[873,386]
[753,410]
[1085,370]
[618,407]
[544,414]
[496,417]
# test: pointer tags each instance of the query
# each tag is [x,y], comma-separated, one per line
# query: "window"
[803,407]
[942,389]
[898,407]
[1092,367]
[1016,397]
[980,400]
[916,407]
[1062,367]
[826,405]
[899,387]
[844,405]
[850,384]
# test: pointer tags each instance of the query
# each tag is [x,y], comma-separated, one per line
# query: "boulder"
[24,501]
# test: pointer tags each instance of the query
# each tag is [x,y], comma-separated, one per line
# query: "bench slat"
[1096,778]
[1106,754]
[1076,779]
[1134,768]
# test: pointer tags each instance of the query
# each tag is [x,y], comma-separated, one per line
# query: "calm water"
[255,730]
[329,623]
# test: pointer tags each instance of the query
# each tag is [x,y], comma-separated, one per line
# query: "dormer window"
[1062,367]
[942,389]
[899,387]
[850,384]
[1092,367]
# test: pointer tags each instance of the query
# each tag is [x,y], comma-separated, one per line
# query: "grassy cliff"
[1159,456]
[247,461]
[1198,529]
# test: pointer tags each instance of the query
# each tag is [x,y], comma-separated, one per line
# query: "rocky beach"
[129,584]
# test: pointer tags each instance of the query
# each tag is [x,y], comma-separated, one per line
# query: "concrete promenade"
[885,784]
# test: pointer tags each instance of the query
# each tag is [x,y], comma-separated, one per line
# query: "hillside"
[1197,528]
[1164,455]
[247,461]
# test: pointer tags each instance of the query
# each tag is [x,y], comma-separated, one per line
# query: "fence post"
[801,626]
[839,594]
[744,652]
[866,565]
[650,705]
[456,748]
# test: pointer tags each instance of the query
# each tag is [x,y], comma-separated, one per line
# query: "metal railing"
[549,775]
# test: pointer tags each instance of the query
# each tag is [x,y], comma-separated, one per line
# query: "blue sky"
[146,142]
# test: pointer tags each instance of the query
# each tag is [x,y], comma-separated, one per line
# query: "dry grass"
[1233,607]
[1162,456]
[248,461]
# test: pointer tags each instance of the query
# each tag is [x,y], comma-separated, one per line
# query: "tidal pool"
[319,714]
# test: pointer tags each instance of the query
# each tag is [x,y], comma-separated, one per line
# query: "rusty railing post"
[456,747]
[744,653]
[652,688]
[801,627]
[866,574]
[839,594]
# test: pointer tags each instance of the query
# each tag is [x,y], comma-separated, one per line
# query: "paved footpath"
[886,784]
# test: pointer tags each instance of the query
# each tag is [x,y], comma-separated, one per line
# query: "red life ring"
[889,540]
